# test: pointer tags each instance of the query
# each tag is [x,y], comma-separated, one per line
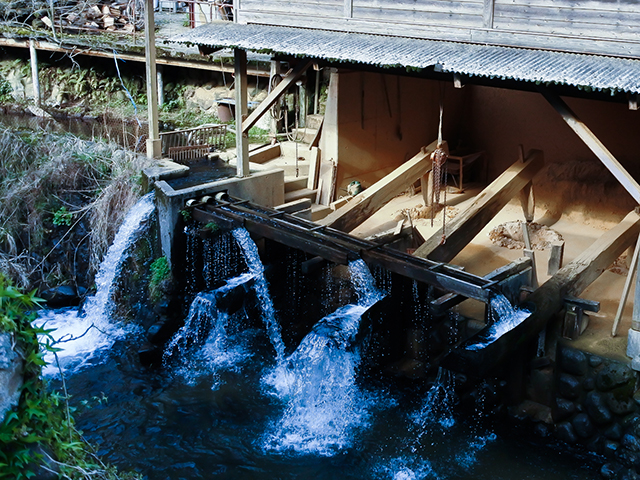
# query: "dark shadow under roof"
[541,66]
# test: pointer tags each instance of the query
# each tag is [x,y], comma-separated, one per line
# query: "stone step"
[295,183]
[298,194]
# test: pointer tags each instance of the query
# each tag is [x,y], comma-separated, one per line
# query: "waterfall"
[437,406]
[505,317]
[202,346]
[317,382]
[251,256]
[84,334]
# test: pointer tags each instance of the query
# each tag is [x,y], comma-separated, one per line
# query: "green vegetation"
[160,275]
[62,217]
[39,434]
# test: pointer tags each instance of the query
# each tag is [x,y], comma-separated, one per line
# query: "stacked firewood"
[119,16]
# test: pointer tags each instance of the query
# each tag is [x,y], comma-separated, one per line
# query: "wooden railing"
[184,145]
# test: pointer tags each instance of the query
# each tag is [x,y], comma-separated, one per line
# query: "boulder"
[569,386]
[613,375]
[573,361]
[597,408]
[582,425]
[61,296]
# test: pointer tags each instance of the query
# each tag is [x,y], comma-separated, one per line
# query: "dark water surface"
[164,427]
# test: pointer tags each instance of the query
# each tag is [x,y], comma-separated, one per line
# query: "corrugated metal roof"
[542,66]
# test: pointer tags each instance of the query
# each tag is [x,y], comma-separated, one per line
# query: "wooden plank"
[466,225]
[265,153]
[471,19]
[424,8]
[594,144]
[578,30]
[570,15]
[427,5]
[295,206]
[547,300]
[619,5]
[328,10]
[369,201]
[242,140]
[488,12]
[275,94]
[348,8]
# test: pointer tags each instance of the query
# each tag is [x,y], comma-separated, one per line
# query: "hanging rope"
[439,171]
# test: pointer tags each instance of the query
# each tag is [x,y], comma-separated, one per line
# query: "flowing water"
[505,317]
[226,406]
[86,333]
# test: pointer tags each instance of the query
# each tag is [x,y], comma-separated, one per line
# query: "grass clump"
[159,279]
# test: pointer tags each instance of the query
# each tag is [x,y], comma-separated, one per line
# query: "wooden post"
[34,71]
[154,149]
[529,253]
[426,186]
[242,137]
[487,14]
[625,293]
[555,259]
[348,8]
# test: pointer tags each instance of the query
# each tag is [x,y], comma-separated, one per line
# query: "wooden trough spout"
[546,301]
[334,245]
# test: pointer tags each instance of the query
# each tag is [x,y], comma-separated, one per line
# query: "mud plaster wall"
[498,120]
[399,115]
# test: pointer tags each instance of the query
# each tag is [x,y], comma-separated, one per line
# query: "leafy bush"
[39,433]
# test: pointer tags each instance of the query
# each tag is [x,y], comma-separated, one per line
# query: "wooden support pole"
[275,94]
[594,144]
[463,228]
[625,291]
[555,258]
[154,149]
[33,55]
[549,299]
[366,203]
[242,138]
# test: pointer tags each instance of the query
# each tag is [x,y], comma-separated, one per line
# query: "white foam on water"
[202,347]
[324,405]
[82,335]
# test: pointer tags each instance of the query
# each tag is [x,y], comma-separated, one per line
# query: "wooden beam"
[366,203]
[464,227]
[242,139]
[547,300]
[594,144]
[528,202]
[275,94]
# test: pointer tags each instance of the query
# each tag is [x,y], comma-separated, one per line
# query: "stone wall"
[596,405]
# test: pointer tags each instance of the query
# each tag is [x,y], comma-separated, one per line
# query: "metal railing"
[191,143]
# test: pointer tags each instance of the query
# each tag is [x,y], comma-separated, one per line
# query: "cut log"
[463,228]
[106,10]
[108,21]
[547,300]
[366,203]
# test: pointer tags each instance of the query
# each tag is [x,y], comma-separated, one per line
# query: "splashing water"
[437,406]
[250,252]
[324,404]
[83,335]
[202,345]
[506,317]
